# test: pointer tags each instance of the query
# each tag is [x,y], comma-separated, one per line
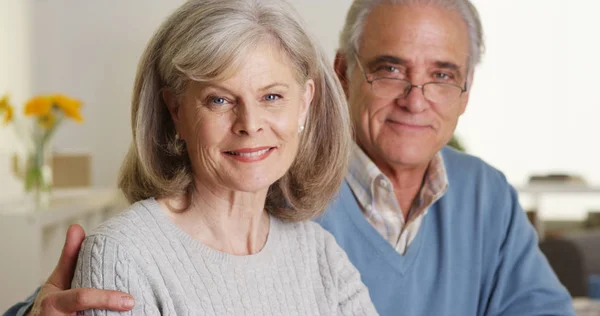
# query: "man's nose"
[414,100]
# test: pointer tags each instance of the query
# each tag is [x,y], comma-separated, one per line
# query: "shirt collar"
[362,174]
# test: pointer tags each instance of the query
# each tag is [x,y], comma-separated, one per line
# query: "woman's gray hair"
[207,40]
[360,9]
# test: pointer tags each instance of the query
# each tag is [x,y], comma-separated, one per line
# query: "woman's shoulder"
[308,228]
[310,231]
[134,228]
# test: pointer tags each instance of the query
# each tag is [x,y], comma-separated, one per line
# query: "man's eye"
[390,69]
[272,97]
[442,76]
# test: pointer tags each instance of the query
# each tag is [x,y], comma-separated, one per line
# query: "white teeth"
[254,154]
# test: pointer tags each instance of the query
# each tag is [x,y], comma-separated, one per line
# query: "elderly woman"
[240,135]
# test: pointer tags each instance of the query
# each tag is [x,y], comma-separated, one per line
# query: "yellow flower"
[39,106]
[8,114]
[47,121]
[4,103]
[69,106]
[6,108]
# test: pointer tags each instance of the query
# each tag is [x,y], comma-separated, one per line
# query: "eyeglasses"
[393,88]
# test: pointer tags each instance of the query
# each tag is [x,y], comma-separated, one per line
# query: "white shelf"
[557,188]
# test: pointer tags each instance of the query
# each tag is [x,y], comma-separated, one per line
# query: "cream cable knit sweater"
[300,271]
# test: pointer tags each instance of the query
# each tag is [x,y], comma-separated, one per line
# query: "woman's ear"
[309,94]
[172,103]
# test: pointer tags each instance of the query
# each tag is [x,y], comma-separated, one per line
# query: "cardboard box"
[71,170]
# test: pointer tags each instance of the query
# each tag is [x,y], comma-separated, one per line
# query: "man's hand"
[56,297]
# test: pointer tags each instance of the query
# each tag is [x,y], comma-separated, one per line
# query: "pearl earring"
[300,129]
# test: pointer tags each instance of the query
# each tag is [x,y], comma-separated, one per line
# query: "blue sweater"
[475,253]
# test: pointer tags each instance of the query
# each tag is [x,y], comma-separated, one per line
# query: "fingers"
[63,273]
[64,300]
[74,300]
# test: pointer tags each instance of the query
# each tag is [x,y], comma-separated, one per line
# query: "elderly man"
[432,231]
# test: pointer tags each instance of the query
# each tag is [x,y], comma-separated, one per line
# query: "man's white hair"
[360,9]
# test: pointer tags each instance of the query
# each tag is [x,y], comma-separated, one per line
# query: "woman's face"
[242,134]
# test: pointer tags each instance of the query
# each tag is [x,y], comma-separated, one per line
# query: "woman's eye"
[218,100]
[216,103]
[272,97]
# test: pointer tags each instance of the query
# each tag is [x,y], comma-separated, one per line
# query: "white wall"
[90,50]
[15,78]
[535,104]
[325,20]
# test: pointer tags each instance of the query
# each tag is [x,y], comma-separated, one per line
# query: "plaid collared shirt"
[375,194]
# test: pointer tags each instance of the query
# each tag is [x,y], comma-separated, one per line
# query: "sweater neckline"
[215,256]
[400,263]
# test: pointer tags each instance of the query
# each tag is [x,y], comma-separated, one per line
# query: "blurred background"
[533,112]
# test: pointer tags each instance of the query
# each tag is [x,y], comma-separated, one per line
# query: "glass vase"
[38,175]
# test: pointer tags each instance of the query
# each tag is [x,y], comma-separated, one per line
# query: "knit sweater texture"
[301,270]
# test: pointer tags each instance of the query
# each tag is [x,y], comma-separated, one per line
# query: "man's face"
[420,44]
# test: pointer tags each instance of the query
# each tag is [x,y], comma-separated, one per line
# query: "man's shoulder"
[454,159]
[475,185]
[466,169]
[343,199]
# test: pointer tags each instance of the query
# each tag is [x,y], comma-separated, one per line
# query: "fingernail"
[127,302]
